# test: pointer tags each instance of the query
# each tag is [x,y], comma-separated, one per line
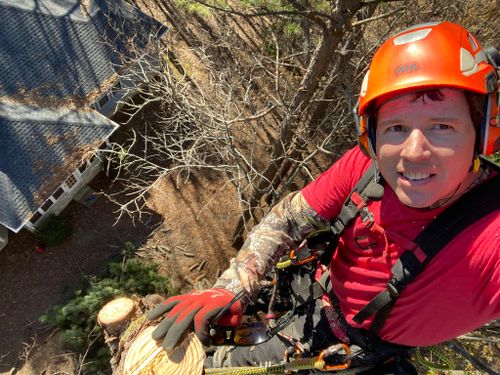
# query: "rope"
[285,368]
[278,369]
[284,264]
[444,362]
[294,366]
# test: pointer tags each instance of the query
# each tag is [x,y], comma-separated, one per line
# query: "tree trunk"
[333,32]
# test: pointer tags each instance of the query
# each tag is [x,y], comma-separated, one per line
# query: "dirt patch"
[31,283]
[194,216]
[46,357]
[199,218]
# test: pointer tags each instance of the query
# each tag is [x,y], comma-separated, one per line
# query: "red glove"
[193,311]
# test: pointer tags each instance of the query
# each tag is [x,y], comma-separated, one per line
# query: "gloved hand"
[193,311]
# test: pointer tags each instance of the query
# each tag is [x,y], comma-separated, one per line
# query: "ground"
[181,219]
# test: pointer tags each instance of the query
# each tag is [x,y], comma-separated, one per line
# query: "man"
[428,108]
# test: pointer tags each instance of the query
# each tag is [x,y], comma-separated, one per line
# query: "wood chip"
[207,283]
[201,265]
[189,255]
[189,280]
[199,277]
[194,266]
[163,249]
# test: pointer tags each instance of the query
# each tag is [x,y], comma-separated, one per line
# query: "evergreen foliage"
[76,319]
[54,231]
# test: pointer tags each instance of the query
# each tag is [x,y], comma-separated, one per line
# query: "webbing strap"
[472,206]
[366,188]
[315,290]
[351,207]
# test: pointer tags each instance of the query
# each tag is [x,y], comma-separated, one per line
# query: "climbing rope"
[282,368]
[434,358]
[295,365]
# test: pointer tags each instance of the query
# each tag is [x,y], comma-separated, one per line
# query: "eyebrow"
[398,120]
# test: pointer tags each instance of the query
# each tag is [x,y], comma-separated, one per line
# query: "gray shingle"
[54,53]
[54,49]
[39,149]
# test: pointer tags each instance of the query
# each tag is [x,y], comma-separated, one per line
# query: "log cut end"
[146,356]
[115,315]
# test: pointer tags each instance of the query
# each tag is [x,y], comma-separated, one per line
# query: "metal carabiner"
[332,350]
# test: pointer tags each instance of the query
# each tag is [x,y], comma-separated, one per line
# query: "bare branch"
[380,16]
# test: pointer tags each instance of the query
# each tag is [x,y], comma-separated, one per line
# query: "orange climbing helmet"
[429,56]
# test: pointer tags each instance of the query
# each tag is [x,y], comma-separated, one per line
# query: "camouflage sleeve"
[285,226]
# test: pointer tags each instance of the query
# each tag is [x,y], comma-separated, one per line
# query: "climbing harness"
[471,206]
[320,245]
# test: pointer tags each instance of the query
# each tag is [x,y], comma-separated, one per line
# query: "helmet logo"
[406,68]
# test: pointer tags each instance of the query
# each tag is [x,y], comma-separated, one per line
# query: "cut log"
[134,352]
[146,356]
[115,315]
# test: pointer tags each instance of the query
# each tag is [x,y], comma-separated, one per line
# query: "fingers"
[176,330]
[161,329]
[161,309]
[201,322]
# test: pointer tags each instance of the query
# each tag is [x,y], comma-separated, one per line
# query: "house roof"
[56,58]
[67,49]
[39,149]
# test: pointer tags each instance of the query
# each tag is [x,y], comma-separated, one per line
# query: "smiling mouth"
[413,176]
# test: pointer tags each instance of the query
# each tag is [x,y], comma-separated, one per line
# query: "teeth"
[416,176]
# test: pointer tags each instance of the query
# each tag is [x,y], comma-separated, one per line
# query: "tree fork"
[336,27]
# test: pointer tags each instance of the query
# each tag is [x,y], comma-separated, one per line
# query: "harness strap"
[315,290]
[469,208]
[367,188]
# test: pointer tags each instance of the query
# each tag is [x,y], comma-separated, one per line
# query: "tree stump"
[134,352]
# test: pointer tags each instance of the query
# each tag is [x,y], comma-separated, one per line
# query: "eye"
[441,126]
[395,129]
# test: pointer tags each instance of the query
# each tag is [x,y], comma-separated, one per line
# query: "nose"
[416,146]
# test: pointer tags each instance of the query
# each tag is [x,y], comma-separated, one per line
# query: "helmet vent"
[364,85]
[411,37]
[473,42]
[468,64]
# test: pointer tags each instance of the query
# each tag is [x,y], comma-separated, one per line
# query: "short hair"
[475,101]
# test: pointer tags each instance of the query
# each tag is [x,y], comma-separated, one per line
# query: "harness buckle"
[337,227]
[298,256]
[392,289]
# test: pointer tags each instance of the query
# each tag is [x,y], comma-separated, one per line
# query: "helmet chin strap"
[443,201]
[475,181]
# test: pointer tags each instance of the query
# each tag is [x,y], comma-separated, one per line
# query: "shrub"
[54,231]
[77,317]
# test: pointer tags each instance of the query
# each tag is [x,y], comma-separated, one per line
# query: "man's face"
[424,148]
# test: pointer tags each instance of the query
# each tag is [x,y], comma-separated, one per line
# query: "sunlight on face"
[424,147]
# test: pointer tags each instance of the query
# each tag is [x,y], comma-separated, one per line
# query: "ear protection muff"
[489,137]
[365,132]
